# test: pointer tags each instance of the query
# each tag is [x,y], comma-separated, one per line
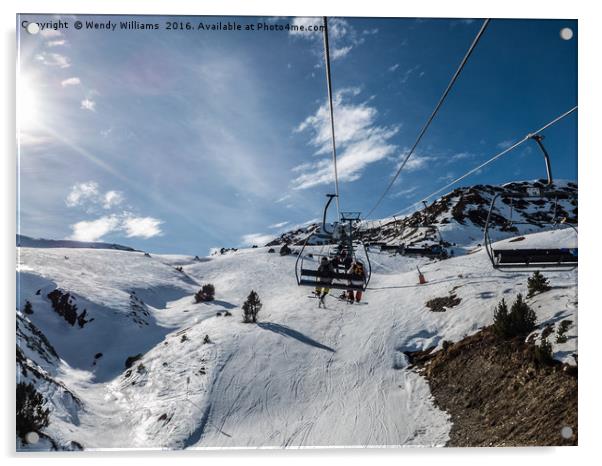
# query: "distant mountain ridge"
[29,242]
[460,216]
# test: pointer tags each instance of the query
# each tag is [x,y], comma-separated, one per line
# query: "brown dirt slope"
[498,394]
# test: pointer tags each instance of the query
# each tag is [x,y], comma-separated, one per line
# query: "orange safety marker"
[421,279]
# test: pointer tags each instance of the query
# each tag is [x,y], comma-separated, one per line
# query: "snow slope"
[302,376]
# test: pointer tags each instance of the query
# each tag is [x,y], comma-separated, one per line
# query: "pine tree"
[28,309]
[522,317]
[537,283]
[501,320]
[564,326]
[519,322]
[31,415]
[251,307]
[543,352]
[206,293]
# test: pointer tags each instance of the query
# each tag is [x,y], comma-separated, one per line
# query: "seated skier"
[358,277]
[324,279]
[345,259]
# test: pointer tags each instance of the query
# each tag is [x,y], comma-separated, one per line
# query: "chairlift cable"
[492,159]
[432,116]
[329,85]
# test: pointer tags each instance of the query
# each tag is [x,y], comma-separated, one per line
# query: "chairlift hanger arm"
[330,198]
[538,138]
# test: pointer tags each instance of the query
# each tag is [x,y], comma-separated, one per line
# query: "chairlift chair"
[309,276]
[533,258]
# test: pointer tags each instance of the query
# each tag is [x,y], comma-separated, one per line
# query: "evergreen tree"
[251,307]
[31,415]
[61,303]
[543,352]
[501,319]
[28,309]
[537,283]
[206,293]
[564,326]
[522,317]
[518,322]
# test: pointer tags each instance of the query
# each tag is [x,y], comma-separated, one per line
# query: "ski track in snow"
[303,376]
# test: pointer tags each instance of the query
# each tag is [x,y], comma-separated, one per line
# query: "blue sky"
[180,141]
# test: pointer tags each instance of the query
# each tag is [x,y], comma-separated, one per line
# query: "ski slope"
[302,376]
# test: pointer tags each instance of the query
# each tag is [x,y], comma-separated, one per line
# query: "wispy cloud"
[408,73]
[394,67]
[504,144]
[286,197]
[461,21]
[94,230]
[74,81]
[141,227]
[305,27]
[89,197]
[88,104]
[256,239]
[112,199]
[406,193]
[275,226]
[343,37]
[53,59]
[81,193]
[133,227]
[447,177]
[341,52]
[360,141]
[56,43]
[48,33]
[417,161]
[462,156]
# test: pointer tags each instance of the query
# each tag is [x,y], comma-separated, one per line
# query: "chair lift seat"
[531,256]
[424,251]
[333,286]
[334,276]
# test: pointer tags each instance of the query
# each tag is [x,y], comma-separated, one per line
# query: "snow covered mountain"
[125,357]
[28,242]
[458,218]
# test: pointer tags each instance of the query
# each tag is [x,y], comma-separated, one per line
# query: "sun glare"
[28,105]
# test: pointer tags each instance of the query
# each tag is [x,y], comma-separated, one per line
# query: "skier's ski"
[345,300]
[321,303]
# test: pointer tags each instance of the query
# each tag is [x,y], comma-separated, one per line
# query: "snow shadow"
[189,280]
[224,304]
[564,355]
[159,296]
[559,316]
[196,435]
[289,332]
[420,341]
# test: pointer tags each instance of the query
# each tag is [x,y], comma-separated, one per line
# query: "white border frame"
[590,154]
